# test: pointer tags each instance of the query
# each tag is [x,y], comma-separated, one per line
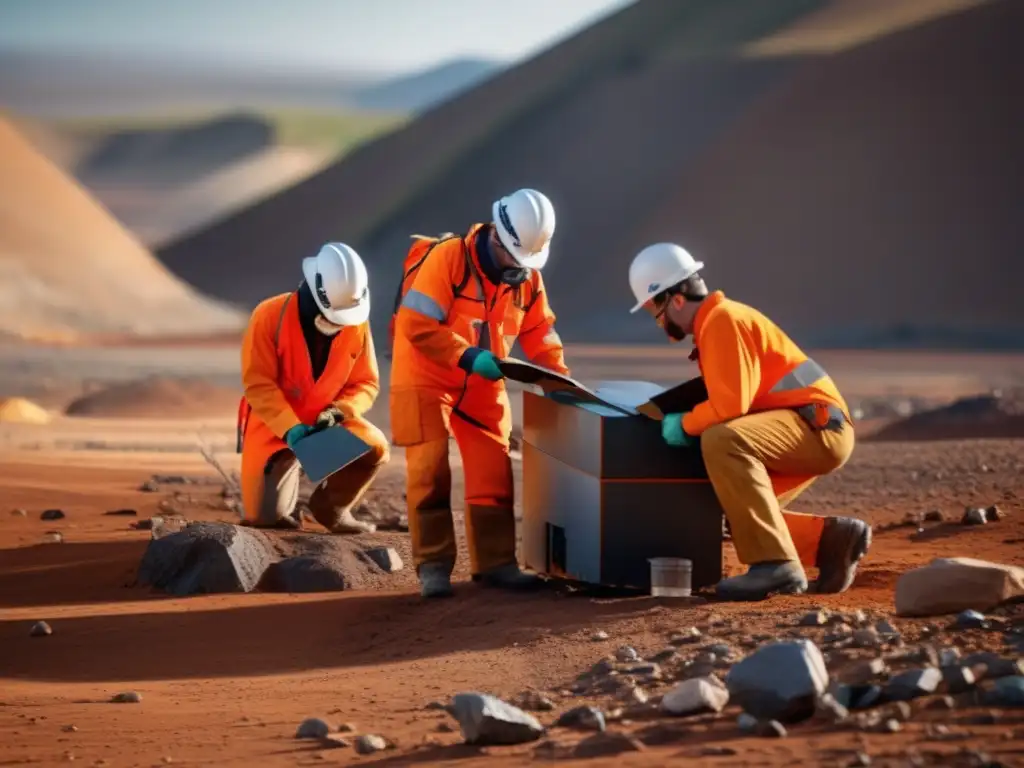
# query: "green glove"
[672,431]
[296,433]
[486,364]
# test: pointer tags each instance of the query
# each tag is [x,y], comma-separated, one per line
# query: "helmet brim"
[684,274]
[356,315]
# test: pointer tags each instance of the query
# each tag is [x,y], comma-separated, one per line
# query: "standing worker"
[308,363]
[773,422]
[465,302]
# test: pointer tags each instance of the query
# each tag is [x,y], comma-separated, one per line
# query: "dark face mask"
[515,277]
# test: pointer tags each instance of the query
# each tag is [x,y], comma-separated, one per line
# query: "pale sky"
[369,35]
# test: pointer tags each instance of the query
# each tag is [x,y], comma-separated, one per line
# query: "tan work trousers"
[750,458]
[334,496]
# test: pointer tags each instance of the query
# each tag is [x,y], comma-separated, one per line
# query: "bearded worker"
[773,422]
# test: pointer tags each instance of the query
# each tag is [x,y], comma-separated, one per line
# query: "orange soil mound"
[17,410]
[68,268]
[997,415]
[158,398]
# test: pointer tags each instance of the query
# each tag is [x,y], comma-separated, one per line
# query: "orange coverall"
[280,393]
[757,428]
[432,397]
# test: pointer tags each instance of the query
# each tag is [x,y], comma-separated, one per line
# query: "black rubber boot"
[435,579]
[509,577]
[763,579]
[844,541]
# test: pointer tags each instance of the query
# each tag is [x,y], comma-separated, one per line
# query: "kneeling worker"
[773,422]
[308,363]
[465,303]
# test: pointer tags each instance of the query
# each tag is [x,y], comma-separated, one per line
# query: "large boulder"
[780,681]
[954,584]
[207,558]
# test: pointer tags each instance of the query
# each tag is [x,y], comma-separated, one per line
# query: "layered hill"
[850,167]
[68,269]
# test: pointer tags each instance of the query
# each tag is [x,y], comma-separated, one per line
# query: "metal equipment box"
[602,493]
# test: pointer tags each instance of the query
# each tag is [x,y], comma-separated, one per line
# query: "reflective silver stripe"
[552,339]
[804,375]
[420,302]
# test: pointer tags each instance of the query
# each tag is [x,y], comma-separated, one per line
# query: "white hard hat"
[658,267]
[525,221]
[341,289]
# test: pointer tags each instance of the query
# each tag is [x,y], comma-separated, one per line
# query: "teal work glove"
[296,433]
[672,431]
[486,364]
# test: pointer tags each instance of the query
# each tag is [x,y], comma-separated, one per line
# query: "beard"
[674,331]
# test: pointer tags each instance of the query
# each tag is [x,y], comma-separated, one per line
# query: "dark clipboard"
[679,399]
[560,387]
[323,453]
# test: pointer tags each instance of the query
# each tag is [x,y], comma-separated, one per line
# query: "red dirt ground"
[225,680]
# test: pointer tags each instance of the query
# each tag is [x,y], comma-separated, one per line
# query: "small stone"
[40,629]
[746,722]
[487,720]
[993,514]
[627,653]
[970,619]
[886,629]
[892,725]
[814,619]
[718,752]
[53,537]
[19,513]
[830,710]
[633,694]
[691,697]
[532,701]
[347,728]
[607,744]
[958,679]
[860,759]
[122,513]
[949,656]
[387,558]
[52,514]
[369,743]
[866,671]
[312,728]
[437,705]
[913,683]
[689,636]
[599,635]
[721,650]
[935,516]
[583,719]
[859,696]
[938,730]
[70,729]
[127,697]
[772,729]
[668,654]
[901,711]
[647,671]
[867,637]
[974,516]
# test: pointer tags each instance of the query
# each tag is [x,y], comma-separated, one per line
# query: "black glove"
[329,417]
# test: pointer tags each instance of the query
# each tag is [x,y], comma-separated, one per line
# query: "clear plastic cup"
[670,576]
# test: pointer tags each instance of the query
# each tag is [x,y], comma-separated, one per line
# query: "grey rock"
[860,759]
[52,514]
[207,558]
[532,701]
[627,653]
[1006,692]
[387,558]
[689,636]
[886,629]
[830,710]
[772,729]
[949,656]
[858,696]
[994,514]
[126,697]
[312,728]
[485,720]
[369,743]
[347,728]
[691,697]
[781,681]
[306,574]
[866,637]
[970,619]
[814,619]
[913,683]
[632,694]
[582,719]
[901,711]
[974,516]
[859,618]
[599,635]
[958,679]
[892,725]
[668,654]
[866,671]
[647,671]
[746,722]
[934,516]
[40,629]
[721,650]
[1004,668]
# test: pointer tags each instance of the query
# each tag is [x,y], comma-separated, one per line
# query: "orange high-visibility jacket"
[749,364]
[435,325]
